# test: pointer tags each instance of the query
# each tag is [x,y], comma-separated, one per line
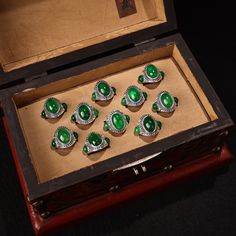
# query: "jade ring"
[64,138]
[84,114]
[165,102]
[133,97]
[147,126]
[151,74]
[95,142]
[53,108]
[103,91]
[116,122]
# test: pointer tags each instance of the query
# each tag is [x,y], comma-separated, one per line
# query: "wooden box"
[61,49]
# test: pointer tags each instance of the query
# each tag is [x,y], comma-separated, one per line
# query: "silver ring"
[64,138]
[84,114]
[116,122]
[53,108]
[151,74]
[165,102]
[103,91]
[133,97]
[95,142]
[147,126]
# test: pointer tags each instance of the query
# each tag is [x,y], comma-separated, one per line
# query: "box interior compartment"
[32,31]
[194,109]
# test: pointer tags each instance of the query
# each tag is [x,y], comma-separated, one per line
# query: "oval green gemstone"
[104,88]
[152,71]
[64,135]
[52,105]
[134,94]
[167,100]
[118,121]
[149,124]
[95,139]
[84,112]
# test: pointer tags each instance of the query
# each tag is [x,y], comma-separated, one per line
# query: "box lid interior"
[36,31]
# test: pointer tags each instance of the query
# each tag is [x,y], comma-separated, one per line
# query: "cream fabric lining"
[50,164]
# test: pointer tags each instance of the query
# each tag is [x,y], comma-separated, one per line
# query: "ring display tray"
[49,164]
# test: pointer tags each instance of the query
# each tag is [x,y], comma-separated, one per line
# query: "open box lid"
[39,36]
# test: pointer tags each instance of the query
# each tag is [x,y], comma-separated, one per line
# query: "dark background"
[202,206]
